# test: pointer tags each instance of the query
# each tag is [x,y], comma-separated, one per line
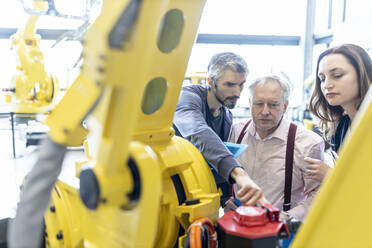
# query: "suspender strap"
[242,133]
[289,166]
[288,162]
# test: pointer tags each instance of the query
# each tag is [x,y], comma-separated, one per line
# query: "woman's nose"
[328,84]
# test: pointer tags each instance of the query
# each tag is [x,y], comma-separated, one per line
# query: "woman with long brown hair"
[343,77]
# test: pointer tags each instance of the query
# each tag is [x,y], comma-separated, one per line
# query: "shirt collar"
[281,132]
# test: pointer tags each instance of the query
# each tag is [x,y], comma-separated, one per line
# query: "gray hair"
[221,62]
[285,85]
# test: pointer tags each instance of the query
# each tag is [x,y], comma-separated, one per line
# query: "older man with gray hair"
[203,117]
[276,148]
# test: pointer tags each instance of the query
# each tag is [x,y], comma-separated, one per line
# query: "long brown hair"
[360,60]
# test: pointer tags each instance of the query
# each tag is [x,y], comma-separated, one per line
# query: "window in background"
[309,84]
[264,17]
[59,61]
[322,19]
[62,60]
[321,16]
[357,9]
[337,12]
[261,17]
[261,60]
[12,15]
[356,27]
[318,49]
[7,64]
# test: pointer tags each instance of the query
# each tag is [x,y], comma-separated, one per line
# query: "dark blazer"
[339,136]
[190,122]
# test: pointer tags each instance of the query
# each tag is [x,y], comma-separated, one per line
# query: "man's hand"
[284,216]
[249,193]
[230,205]
[316,169]
[292,224]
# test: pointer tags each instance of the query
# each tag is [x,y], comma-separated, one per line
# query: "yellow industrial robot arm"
[146,185]
[66,120]
[34,88]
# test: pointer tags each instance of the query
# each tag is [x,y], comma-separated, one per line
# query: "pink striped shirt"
[264,161]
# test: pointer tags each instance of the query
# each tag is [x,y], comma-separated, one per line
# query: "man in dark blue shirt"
[203,117]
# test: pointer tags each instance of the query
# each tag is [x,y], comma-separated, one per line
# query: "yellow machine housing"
[35,90]
[340,214]
[148,184]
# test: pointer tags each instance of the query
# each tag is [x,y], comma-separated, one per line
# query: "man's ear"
[285,106]
[210,82]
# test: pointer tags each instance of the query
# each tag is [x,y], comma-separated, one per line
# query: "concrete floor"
[13,171]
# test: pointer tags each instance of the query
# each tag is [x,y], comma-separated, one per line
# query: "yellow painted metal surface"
[66,128]
[308,124]
[129,93]
[128,225]
[35,89]
[340,216]
[62,218]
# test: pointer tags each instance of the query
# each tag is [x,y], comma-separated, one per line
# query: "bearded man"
[203,117]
